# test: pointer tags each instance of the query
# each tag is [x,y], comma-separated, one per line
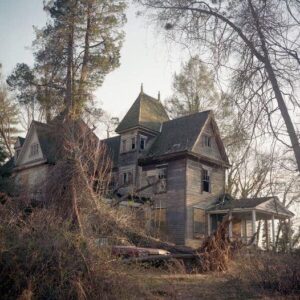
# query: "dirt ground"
[209,286]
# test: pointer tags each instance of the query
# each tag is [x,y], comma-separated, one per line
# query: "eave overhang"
[183,154]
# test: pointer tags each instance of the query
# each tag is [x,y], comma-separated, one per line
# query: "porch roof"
[264,205]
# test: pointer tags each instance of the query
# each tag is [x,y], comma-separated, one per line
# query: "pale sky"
[145,57]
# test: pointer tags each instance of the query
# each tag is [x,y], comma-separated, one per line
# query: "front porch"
[245,215]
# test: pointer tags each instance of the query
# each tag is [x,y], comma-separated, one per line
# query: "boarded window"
[34,149]
[206,184]
[199,223]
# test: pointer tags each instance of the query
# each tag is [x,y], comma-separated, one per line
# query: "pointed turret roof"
[146,112]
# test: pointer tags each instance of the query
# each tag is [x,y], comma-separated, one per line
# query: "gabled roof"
[113,148]
[179,134]
[47,140]
[146,112]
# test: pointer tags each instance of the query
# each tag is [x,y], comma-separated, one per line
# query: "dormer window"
[34,150]
[207,141]
[142,143]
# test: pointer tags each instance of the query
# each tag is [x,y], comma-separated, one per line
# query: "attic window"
[34,149]
[207,141]
[205,181]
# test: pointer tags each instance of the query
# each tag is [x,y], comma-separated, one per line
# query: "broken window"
[207,141]
[205,181]
[34,149]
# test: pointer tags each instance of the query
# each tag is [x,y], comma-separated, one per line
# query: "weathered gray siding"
[195,195]
[173,200]
[31,181]
[211,152]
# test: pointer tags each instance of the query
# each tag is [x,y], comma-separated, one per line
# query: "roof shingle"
[179,134]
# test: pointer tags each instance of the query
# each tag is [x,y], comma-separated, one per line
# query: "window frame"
[127,178]
[207,141]
[144,140]
[34,150]
[162,177]
[133,143]
[206,181]
[124,146]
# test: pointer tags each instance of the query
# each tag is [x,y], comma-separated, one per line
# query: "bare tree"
[193,89]
[8,119]
[257,42]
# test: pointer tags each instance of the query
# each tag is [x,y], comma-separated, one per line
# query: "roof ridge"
[187,116]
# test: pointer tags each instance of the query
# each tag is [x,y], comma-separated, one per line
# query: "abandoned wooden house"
[179,164]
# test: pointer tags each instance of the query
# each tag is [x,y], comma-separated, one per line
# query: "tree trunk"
[69,79]
[84,69]
[280,101]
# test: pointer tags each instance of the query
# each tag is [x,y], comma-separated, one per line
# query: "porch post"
[273,232]
[267,235]
[254,226]
[246,233]
[208,225]
[290,234]
[230,224]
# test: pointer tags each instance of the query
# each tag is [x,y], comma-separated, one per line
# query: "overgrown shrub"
[274,272]
[42,257]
